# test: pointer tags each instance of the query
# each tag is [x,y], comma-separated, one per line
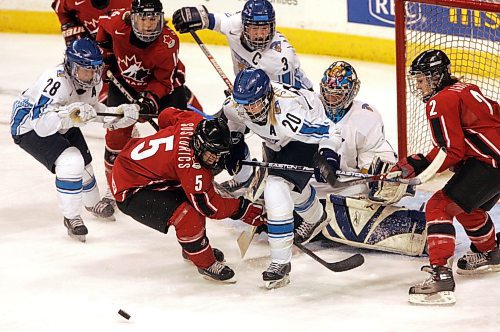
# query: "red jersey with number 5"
[466,123]
[165,161]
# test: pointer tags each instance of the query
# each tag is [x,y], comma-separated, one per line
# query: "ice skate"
[438,289]
[219,256]
[307,231]
[218,272]
[277,275]
[232,185]
[76,228]
[103,209]
[475,262]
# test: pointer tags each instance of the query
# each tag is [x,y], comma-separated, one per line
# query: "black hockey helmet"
[147,11]
[212,136]
[99,4]
[435,66]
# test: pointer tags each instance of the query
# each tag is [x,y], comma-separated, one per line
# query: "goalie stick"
[129,97]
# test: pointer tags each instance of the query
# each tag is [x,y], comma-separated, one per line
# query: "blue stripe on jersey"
[69,185]
[40,105]
[20,111]
[286,78]
[308,203]
[312,130]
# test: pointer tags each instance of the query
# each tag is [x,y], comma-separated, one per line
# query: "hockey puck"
[124,314]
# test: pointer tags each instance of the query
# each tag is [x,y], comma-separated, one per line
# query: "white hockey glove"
[76,115]
[130,116]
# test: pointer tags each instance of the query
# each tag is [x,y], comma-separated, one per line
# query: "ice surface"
[50,282]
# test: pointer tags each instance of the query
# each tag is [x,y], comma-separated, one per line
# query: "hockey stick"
[145,116]
[212,60]
[340,266]
[129,97]
[390,177]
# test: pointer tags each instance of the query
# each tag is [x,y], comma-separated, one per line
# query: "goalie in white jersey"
[45,120]
[292,122]
[252,38]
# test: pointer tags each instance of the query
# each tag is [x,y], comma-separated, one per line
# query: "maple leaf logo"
[133,69]
[91,26]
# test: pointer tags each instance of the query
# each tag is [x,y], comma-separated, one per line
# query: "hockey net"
[468,31]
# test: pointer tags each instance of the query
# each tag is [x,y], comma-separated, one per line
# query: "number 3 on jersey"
[139,153]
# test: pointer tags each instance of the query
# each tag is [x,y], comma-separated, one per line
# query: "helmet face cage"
[258,15]
[256,111]
[428,74]
[253,93]
[339,86]
[211,136]
[147,19]
[83,62]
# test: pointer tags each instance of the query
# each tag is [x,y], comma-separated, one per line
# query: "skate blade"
[439,298]
[481,270]
[228,281]
[81,238]
[272,284]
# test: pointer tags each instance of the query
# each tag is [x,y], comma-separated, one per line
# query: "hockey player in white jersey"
[252,38]
[45,123]
[291,122]
[362,215]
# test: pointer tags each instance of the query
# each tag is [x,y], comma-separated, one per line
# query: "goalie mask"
[253,94]
[429,73]
[147,19]
[84,64]
[211,143]
[259,22]
[338,88]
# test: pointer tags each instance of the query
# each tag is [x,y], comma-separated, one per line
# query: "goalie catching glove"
[76,115]
[327,164]
[250,213]
[130,116]
[411,166]
[190,19]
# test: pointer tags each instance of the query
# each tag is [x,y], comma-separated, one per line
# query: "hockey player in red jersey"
[79,18]
[166,180]
[466,125]
[143,53]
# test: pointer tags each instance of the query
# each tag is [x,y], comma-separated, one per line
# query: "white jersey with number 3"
[300,116]
[278,59]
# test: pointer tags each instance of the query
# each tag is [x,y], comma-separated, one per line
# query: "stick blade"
[347,264]
[244,240]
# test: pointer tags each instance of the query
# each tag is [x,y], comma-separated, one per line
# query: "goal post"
[468,31]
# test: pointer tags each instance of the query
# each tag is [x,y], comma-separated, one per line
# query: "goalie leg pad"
[363,224]
[474,186]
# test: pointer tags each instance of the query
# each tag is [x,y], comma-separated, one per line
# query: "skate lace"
[305,229]
[274,267]
[475,259]
[76,222]
[231,184]
[100,206]
[216,268]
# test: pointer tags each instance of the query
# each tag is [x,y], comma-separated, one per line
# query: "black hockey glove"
[148,103]
[190,18]
[411,166]
[250,213]
[327,164]
[72,31]
[239,151]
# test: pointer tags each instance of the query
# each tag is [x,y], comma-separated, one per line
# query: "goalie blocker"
[370,225]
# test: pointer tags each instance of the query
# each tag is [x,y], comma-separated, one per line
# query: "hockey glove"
[148,103]
[327,164]
[71,32]
[411,166]
[250,213]
[76,115]
[239,152]
[190,18]
[130,116]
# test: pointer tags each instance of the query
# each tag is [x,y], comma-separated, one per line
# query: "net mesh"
[470,38]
